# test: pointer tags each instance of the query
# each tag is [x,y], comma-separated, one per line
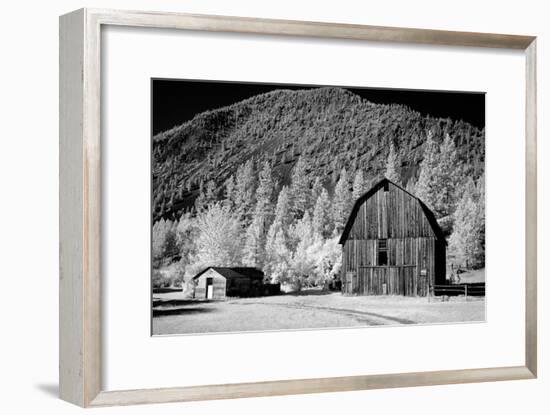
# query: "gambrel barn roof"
[384,182]
[234,272]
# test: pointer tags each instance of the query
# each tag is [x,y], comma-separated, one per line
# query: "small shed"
[217,283]
[392,244]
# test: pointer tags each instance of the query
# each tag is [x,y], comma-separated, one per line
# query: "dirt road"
[308,310]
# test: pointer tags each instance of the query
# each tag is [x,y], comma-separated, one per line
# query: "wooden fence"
[474,289]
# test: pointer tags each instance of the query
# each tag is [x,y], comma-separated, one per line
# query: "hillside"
[331,127]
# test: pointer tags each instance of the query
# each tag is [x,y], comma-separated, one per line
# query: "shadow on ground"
[51,389]
[172,303]
[175,311]
[309,293]
[165,290]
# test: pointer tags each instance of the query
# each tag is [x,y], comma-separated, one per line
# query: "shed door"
[210,288]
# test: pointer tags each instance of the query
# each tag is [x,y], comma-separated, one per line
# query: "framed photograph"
[254,207]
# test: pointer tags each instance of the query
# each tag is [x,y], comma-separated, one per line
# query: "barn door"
[379,281]
[350,282]
[371,280]
[209,288]
[401,281]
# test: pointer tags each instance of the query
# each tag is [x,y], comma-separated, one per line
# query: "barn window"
[386,187]
[382,252]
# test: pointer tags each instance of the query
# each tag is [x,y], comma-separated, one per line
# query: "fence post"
[465,290]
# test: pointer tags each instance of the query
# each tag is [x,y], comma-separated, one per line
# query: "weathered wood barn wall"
[392,244]
[217,283]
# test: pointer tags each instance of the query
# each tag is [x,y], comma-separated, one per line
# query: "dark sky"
[176,101]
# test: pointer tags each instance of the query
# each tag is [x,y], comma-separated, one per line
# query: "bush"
[159,280]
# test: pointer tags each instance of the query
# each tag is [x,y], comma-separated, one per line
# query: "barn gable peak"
[384,183]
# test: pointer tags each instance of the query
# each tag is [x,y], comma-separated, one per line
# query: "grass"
[172,314]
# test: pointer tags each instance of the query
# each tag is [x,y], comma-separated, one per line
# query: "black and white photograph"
[295,207]
[262,208]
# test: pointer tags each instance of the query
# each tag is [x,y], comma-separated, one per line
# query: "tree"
[253,254]
[278,256]
[341,202]
[392,165]
[327,260]
[316,191]
[278,229]
[299,189]
[219,238]
[468,187]
[321,216]
[359,185]
[244,192]
[299,263]
[302,266]
[252,251]
[210,194]
[467,242]
[164,241]
[200,201]
[463,239]
[159,236]
[315,261]
[186,233]
[439,177]
[282,218]
[229,193]
[264,195]
[300,231]
[480,221]
[426,183]
[447,177]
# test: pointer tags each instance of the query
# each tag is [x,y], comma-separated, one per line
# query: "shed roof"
[429,214]
[235,272]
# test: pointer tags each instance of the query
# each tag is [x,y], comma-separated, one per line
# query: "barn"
[217,283]
[392,244]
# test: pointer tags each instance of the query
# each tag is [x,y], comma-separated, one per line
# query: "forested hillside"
[331,128]
[269,182]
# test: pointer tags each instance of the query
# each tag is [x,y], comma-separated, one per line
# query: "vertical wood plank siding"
[415,253]
[392,214]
